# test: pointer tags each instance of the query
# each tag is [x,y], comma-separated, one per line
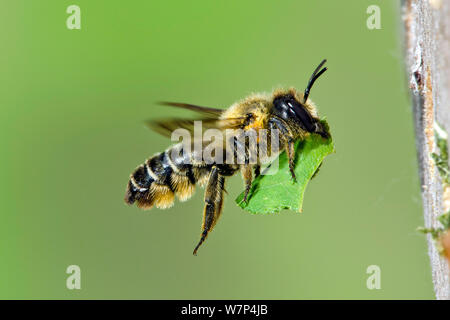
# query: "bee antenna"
[316,74]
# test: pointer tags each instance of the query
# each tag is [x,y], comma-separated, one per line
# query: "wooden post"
[427,33]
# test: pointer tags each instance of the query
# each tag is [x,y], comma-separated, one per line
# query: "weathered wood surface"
[427,33]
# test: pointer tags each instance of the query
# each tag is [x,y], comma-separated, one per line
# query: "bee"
[176,173]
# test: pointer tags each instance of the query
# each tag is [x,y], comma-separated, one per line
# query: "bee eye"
[288,108]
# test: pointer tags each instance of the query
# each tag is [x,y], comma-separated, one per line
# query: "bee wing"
[209,118]
[167,126]
[206,111]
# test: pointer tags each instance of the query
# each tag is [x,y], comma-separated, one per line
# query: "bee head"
[290,107]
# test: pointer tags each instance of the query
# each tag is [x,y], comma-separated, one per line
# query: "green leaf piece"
[445,220]
[435,233]
[272,193]
[441,159]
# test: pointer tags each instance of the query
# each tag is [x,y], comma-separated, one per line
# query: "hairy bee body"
[176,172]
[169,174]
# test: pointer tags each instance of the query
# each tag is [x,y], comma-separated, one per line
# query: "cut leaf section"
[272,193]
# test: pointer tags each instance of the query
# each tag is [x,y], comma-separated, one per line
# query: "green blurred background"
[73,104]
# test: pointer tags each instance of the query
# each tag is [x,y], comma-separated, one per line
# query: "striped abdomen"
[161,177]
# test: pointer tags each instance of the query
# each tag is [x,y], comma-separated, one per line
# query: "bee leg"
[246,172]
[213,204]
[289,146]
[257,170]
[290,151]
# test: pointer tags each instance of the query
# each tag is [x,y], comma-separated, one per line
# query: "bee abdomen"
[160,178]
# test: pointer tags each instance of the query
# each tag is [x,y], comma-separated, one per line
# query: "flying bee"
[176,172]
